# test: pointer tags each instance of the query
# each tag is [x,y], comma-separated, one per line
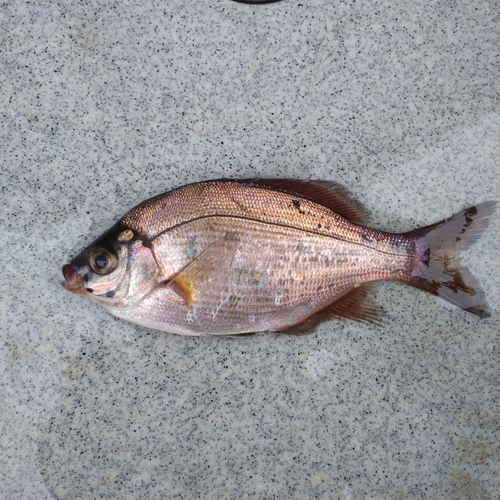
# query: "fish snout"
[73,281]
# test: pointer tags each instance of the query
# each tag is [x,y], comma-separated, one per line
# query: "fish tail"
[435,269]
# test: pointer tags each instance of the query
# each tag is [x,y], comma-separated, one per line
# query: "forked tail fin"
[437,245]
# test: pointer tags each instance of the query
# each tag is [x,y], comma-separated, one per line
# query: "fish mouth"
[74,282]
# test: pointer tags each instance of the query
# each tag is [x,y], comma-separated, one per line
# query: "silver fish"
[234,257]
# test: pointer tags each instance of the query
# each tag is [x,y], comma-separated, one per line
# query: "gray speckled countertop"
[105,104]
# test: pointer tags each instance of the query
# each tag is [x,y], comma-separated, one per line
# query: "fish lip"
[73,282]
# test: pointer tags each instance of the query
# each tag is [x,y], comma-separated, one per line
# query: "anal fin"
[356,305]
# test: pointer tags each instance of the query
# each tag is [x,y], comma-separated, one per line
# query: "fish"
[235,257]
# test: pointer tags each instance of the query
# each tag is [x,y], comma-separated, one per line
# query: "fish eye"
[102,261]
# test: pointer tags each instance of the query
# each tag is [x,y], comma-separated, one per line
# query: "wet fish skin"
[233,257]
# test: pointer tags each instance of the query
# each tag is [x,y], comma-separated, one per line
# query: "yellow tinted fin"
[188,283]
[355,304]
[326,193]
[183,287]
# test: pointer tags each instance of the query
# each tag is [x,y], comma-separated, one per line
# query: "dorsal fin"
[326,193]
[355,304]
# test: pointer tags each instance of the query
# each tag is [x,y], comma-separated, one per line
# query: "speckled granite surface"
[105,104]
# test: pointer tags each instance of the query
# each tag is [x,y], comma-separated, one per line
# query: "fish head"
[117,270]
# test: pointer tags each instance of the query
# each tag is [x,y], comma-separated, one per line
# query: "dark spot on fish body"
[366,238]
[300,247]
[232,236]
[111,293]
[90,290]
[85,277]
[191,251]
[296,204]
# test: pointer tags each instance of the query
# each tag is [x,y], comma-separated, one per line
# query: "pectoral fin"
[193,280]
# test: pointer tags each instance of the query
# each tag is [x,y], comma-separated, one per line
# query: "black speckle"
[426,257]
[90,290]
[469,214]
[471,211]
[232,236]
[85,277]
[111,293]
[366,238]
[296,204]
